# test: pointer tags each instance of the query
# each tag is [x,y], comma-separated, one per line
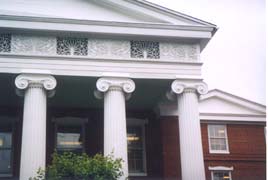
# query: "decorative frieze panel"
[179,52]
[145,49]
[98,48]
[72,46]
[39,45]
[107,48]
[5,43]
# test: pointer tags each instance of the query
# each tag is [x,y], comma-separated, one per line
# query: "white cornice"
[232,117]
[104,23]
[45,24]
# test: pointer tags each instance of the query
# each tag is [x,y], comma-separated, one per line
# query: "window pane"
[5,161]
[221,175]
[69,138]
[217,131]
[135,149]
[211,131]
[220,131]
[5,148]
[218,144]
[5,140]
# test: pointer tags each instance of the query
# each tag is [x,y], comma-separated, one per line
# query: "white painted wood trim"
[97,67]
[220,168]
[226,137]
[105,27]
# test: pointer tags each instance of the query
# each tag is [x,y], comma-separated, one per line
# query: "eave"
[15,24]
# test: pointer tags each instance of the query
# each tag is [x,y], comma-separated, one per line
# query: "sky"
[234,59]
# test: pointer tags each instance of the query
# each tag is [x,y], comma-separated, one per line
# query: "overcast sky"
[234,60]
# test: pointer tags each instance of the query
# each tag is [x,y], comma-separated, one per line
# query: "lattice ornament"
[5,42]
[72,46]
[145,49]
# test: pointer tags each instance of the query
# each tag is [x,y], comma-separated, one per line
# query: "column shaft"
[192,161]
[115,129]
[115,134]
[33,150]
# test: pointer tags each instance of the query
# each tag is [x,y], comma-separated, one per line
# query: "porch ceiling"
[77,92]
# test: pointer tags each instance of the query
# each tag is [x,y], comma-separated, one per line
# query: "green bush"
[81,167]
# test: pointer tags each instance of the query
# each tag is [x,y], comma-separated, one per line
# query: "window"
[70,134]
[221,175]
[221,172]
[5,150]
[145,49]
[136,149]
[218,141]
[69,138]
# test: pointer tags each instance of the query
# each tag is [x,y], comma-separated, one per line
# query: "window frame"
[76,121]
[211,151]
[12,122]
[134,122]
[220,169]
[212,174]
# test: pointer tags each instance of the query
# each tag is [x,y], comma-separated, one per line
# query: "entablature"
[94,56]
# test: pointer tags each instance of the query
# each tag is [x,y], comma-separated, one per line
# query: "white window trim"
[220,168]
[141,123]
[226,137]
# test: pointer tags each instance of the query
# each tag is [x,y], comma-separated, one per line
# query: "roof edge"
[234,99]
[172,12]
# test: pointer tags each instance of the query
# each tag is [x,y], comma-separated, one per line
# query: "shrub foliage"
[69,166]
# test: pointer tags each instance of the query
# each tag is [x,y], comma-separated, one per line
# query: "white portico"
[114,45]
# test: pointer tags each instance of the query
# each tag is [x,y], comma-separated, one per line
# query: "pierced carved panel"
[98,48]
[145,49]
[193,53]
[5,43]
[38,45]
[179,52]
[72,46]
[107,48]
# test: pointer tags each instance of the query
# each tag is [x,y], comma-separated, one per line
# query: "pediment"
[129,11]
[219,102]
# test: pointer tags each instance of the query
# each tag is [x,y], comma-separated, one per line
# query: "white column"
[33,147]
[192,160]
[115,128]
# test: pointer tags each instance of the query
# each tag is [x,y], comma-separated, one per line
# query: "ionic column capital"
[115,84]
[24,81]
[182,86]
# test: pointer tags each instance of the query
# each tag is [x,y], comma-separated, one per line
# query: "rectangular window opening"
[136,150]
[221,175]
[218,141]
[6,150]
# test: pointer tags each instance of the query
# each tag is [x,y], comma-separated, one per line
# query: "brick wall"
[246,145]
[171,149]
[247,152]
